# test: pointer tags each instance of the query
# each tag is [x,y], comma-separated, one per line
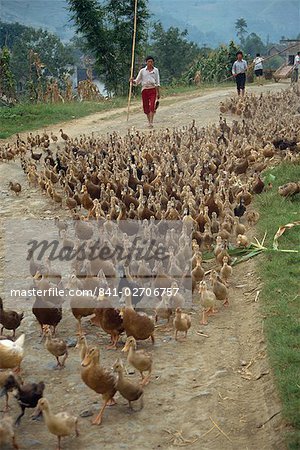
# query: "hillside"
[208,21]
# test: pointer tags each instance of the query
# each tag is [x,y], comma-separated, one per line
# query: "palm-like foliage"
[215,67]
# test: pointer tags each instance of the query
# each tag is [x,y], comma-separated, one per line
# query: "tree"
[7,82]
[9,32]
[53,55]
[253,44]
[108,29]
[241,29]
[89,18]
[120,15]
[173,52]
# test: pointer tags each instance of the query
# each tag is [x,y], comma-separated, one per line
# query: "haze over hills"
[208,21]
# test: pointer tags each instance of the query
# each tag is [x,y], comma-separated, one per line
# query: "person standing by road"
[239,70]
[258,67]
[148,77]
[296,67]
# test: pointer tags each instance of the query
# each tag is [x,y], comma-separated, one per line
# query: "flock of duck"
[204,177]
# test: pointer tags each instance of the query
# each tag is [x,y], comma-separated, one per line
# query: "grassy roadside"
[27,117]
[281,296]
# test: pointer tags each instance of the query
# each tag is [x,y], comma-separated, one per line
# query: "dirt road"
[212,392]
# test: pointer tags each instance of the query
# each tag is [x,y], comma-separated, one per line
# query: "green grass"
[191,89]
[280,273]
[25,117]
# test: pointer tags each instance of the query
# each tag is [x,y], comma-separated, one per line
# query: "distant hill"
[208,21]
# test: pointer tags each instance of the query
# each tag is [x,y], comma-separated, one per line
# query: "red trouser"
[149,97]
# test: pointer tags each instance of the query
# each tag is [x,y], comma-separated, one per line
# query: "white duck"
[11,353]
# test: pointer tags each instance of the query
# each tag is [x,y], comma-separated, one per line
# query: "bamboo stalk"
[132,57]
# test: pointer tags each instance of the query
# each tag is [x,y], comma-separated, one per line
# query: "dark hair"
[257,54]
[239,53]
[298,53]
[149,57]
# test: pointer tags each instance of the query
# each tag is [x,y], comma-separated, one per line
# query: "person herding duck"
[148,77]
[239,70]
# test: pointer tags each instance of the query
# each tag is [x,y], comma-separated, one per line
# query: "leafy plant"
[7,82]
[107,29]
[214,67]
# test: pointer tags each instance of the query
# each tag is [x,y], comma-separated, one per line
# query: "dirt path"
[173,112]
[224,377]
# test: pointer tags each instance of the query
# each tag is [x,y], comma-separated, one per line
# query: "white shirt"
[258,63]
[148,78]
[239,67]
[297,62]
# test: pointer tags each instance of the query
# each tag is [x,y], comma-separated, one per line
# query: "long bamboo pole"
[132,56]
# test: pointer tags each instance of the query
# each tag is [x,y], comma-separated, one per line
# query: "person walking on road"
[239,70]
[258,67]
[148,77]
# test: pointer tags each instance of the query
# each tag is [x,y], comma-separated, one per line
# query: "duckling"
[139,359]
[56,197]
[27,395]
[219,289]
[226,271]
[252,217]
[56,347]
[64,136]
[61,225]
[71,203]
[219,246]
[176,300]
[53,137]
[7,433]
[242,240]
[222,253]
[129,390]
[182,322]
[239,228]
[16,187]
[197,274]
[10,320]
[61,424]
[208,302]
[258,185]
[162,310]
[11,353]
[98,379]
[289,189]
[215,225]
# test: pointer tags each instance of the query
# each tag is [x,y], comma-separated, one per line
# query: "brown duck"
[137,324]
[98,379]
[109,319]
